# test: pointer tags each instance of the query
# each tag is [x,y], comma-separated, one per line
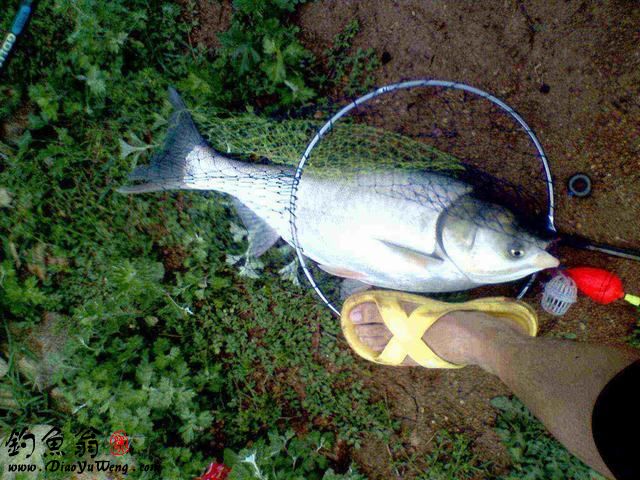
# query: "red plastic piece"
[600,285]
[215,471]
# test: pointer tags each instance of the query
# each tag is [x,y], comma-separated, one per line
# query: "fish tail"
[173,166]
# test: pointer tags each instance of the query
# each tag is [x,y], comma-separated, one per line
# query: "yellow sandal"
[408,330]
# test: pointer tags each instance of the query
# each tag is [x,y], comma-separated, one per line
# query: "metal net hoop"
[406,85]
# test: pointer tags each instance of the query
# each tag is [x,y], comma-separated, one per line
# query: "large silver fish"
[416,231]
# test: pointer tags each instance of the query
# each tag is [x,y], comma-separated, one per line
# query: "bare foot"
[461,337]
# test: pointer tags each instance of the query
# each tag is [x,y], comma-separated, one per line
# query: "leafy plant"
[452,457]
[350,70]
[262,55]
[449,456]
[285,457]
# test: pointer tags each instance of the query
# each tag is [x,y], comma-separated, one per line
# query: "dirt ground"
[572,69]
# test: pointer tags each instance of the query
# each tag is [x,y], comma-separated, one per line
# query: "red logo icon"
[119,443]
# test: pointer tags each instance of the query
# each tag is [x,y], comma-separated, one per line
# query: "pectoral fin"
[421,259]
[343,272]
[349,286]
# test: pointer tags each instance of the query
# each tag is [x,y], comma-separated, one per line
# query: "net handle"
[328,126]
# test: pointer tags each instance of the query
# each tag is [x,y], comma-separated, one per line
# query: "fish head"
[487,243]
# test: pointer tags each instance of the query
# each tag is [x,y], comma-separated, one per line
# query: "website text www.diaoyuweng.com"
[46,442]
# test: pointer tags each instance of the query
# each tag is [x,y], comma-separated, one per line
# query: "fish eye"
[516,252]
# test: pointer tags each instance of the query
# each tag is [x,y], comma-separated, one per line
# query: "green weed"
[350,70]
[452,457]
[634,338]
[534,453]
[261,57]
[288,458]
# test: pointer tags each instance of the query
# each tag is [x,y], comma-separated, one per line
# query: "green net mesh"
[352,147]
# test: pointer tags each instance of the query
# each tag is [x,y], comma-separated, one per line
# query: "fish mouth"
[543,261]
[546,261]
[490,278]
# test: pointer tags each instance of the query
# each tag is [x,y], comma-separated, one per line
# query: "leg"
[559,381]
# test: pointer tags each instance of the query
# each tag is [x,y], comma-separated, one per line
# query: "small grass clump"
[535,455]
[634,338]
[286,457]
[350,70]
[453,457]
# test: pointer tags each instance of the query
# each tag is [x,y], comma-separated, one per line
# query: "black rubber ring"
[579,192]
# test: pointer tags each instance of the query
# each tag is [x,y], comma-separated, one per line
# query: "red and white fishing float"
[600,285]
